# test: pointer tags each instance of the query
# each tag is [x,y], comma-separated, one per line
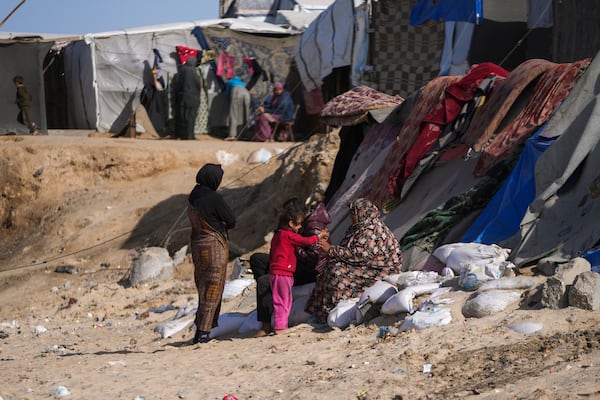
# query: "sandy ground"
[92,202]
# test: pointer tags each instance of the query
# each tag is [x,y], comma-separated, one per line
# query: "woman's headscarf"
[368,238]
[210,175]
[364,211]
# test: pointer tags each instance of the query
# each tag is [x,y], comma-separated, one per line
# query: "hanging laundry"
[249,61]
[185,52]
[226,66]
[257,72]
[447,10]
[207,56]
[159,81]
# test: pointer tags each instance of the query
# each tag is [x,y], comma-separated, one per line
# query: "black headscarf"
[205,199]
[210,175]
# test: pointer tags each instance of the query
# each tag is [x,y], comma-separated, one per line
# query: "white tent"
[105,70]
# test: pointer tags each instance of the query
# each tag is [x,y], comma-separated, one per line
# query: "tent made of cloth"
[25,58]
[502,216]
[562,220]
[106,72]
[336,38]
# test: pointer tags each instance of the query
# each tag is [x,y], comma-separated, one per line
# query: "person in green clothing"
[24,103]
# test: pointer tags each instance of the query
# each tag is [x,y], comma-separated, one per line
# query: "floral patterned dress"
[368,252]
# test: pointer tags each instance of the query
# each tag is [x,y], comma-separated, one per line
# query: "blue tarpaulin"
[502,216]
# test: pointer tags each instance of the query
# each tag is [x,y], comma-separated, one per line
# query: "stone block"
[585,292]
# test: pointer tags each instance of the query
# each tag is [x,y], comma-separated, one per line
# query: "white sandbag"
[489,302]
[442,252]
[303,290]
[228,323]
[424,319]
[344,313]
[437,298]
[235,287]
[510,283]
[472,275]
[415,278]
[259,156]
[525,327]
[250,323]
[170,328]
[297,313]
[378,293]
[473,253]
[403,300]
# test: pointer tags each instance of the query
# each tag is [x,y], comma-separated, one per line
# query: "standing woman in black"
[211,218]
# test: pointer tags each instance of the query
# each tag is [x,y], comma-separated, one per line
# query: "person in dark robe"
[211,218]
[187,99]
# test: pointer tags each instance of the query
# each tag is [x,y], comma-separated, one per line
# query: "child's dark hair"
[18,79]
[293,203]
[289,214]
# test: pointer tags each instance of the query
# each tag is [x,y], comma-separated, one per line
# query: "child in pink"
[282,263]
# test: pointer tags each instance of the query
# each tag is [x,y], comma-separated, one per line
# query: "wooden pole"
[12,12]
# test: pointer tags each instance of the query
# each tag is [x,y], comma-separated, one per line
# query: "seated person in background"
[368,252]
[278,107]
[239,107]
[310,261]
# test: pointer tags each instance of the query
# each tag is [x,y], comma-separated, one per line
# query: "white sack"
[489,302]
[303,290]
[378,293]
[414,278]
[473,275]
[456,255]
[170,328]
[250,323]
[235,287]
[228,323]
[344,313]
[297,313]
[403,300]
[442,252]
[425,319]
[259,156]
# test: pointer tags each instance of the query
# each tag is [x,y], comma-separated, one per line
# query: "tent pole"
[12,12]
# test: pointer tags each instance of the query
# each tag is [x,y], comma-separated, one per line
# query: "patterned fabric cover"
[352,107]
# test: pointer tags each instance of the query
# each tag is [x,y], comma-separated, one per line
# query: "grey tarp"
[563,218]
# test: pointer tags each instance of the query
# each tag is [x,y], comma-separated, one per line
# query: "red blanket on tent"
[430,96]
[445,112]
[551,89]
